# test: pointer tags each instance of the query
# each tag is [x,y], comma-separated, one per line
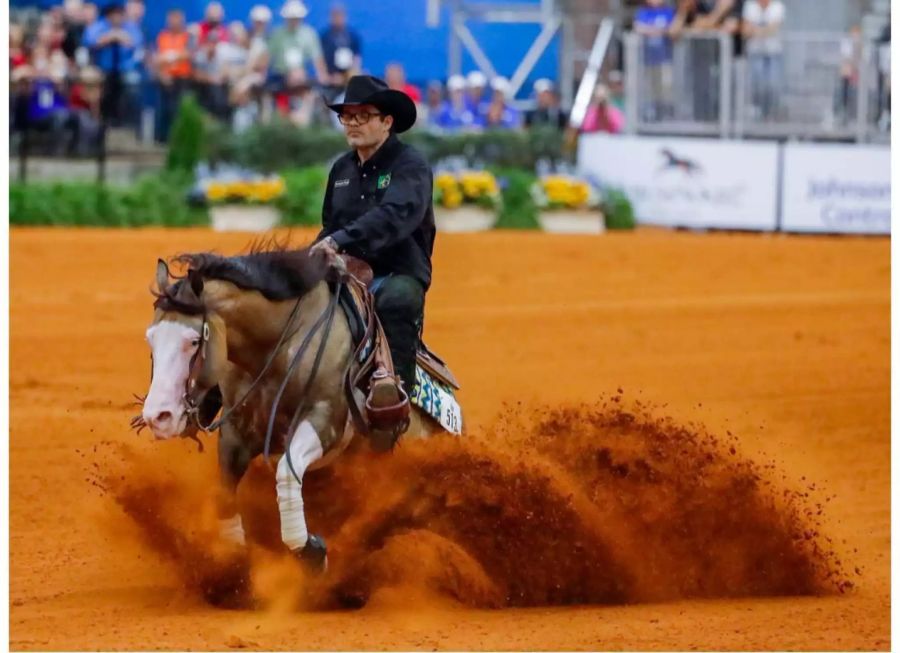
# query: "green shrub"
[518,210]
[187,140]
[276,146]
[280,145]
[301,203]
[618,210]
[152,200]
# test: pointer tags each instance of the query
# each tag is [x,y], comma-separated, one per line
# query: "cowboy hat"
[294,9]
[365,89]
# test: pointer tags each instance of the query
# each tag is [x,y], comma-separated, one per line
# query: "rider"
[378,207]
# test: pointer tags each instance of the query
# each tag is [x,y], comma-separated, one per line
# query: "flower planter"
[464,219]
[572,222]
[243,217]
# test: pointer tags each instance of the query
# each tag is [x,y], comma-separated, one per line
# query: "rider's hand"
[327,247]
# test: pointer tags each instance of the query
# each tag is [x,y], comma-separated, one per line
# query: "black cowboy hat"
[365,89]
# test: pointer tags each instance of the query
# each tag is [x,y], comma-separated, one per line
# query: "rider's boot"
[388,410]
[314,554]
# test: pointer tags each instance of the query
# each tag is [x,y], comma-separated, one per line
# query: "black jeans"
[400,305]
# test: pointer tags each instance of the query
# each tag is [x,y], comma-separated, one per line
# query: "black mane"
[276,273]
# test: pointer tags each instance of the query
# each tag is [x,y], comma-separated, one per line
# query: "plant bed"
[244,217]
[565,221]
[464,219]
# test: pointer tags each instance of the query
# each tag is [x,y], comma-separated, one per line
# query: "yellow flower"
[452,199]
[216,192]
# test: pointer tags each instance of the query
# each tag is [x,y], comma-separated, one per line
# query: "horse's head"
[188,351]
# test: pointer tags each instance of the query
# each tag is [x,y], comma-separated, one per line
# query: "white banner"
[686,182]
[837,189]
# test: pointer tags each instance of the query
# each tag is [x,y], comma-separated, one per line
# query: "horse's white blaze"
[305,448]
[172,344]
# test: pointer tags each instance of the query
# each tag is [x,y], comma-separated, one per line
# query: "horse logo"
[675,162]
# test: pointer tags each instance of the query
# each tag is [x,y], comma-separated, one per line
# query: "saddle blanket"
[436,399]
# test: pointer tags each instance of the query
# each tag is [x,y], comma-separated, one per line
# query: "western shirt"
[381,211]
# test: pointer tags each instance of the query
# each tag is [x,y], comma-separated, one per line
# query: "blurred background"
[536,86]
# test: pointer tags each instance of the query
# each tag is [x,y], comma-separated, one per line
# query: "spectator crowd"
[79,66]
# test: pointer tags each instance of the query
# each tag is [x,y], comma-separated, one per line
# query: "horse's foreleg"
[234,458]
[304,448]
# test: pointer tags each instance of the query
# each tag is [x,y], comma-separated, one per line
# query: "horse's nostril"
[164,416]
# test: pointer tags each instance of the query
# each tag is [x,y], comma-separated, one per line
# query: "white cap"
[294,9]
[260,14]
[476,79]
[501,85]
[543,84]
[456,83]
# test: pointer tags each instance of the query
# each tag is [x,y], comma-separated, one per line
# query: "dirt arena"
[675,441]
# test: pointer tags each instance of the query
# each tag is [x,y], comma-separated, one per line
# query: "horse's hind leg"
[304,449]
[235,454]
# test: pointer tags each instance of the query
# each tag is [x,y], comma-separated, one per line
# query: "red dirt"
[735,496]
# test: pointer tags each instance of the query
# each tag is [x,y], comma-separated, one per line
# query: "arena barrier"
[710,183]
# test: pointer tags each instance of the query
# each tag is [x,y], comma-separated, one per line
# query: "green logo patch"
[384,181]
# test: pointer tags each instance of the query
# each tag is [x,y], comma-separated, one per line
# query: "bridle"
[198,360]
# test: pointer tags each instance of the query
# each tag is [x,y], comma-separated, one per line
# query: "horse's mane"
[269,267]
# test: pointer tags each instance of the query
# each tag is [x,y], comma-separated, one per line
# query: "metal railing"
[800,85]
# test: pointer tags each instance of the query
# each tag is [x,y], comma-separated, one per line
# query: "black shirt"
[381,211]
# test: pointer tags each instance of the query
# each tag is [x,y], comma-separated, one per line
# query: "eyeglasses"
[361,118]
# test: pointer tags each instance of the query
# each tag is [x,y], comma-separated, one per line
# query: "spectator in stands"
[699,18]
[295,45]
[84,100]
[46,53]
[455,113]
[434,100]
[45,108]
[212,25]
[762,27]
[298,101]
[74,25]
[116,46]
[209,76]
[548,111]
[91,14]
[260,19]
[601,115]
[18,56]
[615,82]
[851,53]
[245,98]
[478,99]
[653,22]
[395,77]
[884,78]
[173,68]
[498,114]
[341,47]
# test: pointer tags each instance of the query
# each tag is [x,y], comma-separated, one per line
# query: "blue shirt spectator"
[45,100]
[653,21]
[455,112]
[341,45]
[115,44]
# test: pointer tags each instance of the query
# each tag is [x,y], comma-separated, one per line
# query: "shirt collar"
[384,152]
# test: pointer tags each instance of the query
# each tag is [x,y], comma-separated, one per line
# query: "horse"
[260,336]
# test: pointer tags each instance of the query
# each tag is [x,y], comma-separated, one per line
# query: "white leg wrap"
[232,529]
[305,448]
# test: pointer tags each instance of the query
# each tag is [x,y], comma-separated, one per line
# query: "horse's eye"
[195,343]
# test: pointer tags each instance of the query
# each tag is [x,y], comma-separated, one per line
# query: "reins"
[194,408]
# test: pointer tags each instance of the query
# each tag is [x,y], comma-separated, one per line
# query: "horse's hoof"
[314,555]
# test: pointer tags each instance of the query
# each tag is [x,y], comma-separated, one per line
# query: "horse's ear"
[196,281]
[162,275]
